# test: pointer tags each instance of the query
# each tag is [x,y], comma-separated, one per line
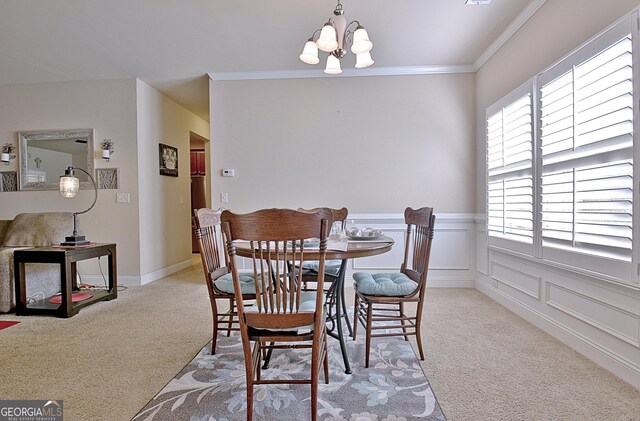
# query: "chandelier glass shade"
[333,38]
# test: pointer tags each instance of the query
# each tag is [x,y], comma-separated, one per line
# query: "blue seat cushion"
[384,284]
[331,267]
[225,283]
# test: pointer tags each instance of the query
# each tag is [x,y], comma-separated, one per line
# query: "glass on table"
[336,231]
[350,227]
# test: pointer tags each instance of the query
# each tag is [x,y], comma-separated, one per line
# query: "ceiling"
[173,44]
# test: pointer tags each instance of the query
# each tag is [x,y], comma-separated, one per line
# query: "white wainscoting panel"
[482,253]
[622,324]
[518,280]
[598,318]
[452,262]
[386,261]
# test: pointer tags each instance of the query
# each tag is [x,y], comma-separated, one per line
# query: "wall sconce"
[8,153]
[107,149]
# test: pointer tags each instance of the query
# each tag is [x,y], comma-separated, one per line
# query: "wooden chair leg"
[249,361]
[232,304]
[214,336]
[418,334]
[258,363]
[326,361]
[368,331]
[404,329]
[314,388]
[249,400]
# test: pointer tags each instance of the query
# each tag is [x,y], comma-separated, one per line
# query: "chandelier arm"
[348,34]
[313,36]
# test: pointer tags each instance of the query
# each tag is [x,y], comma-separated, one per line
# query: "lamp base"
[75,240]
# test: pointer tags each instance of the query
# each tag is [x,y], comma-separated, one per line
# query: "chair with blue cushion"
[380,297]
[283,316]
[218,276]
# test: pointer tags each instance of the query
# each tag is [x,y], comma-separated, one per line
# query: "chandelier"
[333,38]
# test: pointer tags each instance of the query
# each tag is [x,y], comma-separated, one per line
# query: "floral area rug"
[212,388]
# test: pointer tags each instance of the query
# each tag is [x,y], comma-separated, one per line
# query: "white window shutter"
[510,164]
[587,155]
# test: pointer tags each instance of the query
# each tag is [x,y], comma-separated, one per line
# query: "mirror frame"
[24,137]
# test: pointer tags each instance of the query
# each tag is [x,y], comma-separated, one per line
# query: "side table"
[66,257]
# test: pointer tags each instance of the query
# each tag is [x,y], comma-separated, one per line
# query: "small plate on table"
[365,238]
[365,234]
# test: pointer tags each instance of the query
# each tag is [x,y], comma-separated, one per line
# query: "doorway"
[200,179]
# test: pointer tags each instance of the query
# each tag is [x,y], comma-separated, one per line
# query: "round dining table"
[335,294]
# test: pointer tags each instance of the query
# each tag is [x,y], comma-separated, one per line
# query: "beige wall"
[109,107]
[373,144]
[556,29]
[165,202]
[153,230]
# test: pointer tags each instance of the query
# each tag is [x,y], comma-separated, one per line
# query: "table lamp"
[69,186]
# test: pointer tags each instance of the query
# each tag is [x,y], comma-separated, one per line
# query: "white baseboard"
[161,273]
[131,281]
[98,280]
[444,282]
[624,369]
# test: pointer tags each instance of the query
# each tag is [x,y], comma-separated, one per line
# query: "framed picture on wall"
[168,160]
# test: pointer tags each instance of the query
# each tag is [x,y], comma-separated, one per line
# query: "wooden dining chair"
[284,316]
[380,298]
[216,272]
[335,296]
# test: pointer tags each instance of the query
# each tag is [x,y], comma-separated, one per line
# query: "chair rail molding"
[452,263]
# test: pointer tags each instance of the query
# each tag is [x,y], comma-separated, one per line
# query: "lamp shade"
[69,184]
[310,53]
[333,65]
[5,157]
[328,39]
[361,43]
[363,60]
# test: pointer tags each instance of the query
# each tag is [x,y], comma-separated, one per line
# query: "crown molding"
[317,73]
[520,20]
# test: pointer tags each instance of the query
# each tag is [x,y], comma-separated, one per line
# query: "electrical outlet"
[123,198]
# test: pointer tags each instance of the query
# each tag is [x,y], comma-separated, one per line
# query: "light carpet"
[212,387]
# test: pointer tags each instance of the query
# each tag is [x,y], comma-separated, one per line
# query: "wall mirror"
[44,155]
